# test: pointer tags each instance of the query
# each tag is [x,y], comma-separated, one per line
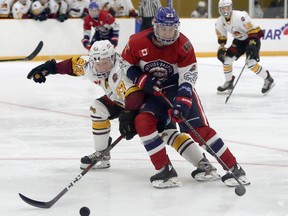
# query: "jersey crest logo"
[143,52]
[187,46]
[159,69]
[192,74]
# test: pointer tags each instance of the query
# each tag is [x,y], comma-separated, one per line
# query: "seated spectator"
[21,9]
[5,8]
[58,10]
[40,10]
[77,8]
[106,5]
[200,11]
[124,8]
[275,9]
[258,12]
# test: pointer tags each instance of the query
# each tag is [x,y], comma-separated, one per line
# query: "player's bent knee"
[98,109]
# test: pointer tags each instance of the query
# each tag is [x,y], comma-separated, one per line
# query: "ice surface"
[45,130]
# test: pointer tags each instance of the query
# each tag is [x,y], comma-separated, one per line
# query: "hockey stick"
[227,98]
[240,190]
[170,3]
[50,203]
[28,58]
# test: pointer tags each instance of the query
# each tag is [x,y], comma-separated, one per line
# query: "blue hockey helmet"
[94,10]
[166,25]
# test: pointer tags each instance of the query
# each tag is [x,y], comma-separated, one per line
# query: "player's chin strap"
[240,189]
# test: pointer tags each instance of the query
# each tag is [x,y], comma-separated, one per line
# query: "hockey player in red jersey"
[168,60]
[106,27]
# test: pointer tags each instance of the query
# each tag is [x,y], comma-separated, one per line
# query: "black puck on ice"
[84,211]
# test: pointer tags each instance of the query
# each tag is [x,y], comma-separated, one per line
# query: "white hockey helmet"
[225,8]
[102,58]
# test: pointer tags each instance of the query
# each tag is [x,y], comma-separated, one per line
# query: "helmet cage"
[225,8]
[102,59]
[166,25]
[94,10]
[166,34]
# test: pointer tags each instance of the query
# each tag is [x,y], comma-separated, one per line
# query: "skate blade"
[271,87]
[202,177]
[233,183]
[172,182]
[102,165]
[227,92]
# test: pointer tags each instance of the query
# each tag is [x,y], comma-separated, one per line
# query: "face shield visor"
[94,13]
[101,68]
[225,10]
[166,34]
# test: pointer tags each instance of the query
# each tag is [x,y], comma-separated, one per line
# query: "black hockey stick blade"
[28,58]
[41,204]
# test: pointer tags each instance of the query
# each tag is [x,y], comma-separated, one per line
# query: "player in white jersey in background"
[106,69]
[124,9]
[20,9]
[58,10]
[246,40]
[5,8]
[76,8]
[40,10]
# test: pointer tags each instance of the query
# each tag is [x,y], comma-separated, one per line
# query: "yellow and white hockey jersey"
[116,87]
[239,26]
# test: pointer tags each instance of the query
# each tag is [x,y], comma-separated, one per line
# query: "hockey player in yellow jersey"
[105,68]
[246,39]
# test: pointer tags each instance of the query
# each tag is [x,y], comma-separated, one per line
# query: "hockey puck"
[84,211]
[240,190]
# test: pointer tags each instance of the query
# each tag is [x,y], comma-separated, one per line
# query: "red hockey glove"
[147,83]
[86,43]
[180,108]
[114,41]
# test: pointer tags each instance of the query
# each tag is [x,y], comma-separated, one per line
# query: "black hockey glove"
[126,123]
[40,72]
[62,17]
[221,53]
[252,50]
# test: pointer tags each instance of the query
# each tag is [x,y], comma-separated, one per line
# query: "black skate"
[227,87]
[104,163]
[165,178]
[237,170]
[205,171]
[268,84]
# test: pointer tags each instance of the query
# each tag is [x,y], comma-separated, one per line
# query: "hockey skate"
[237,170]
[227,87]
[165,178]
[205,171]
[104,163]
[268,84]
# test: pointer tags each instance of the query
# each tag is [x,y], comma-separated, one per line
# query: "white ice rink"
[45,130]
